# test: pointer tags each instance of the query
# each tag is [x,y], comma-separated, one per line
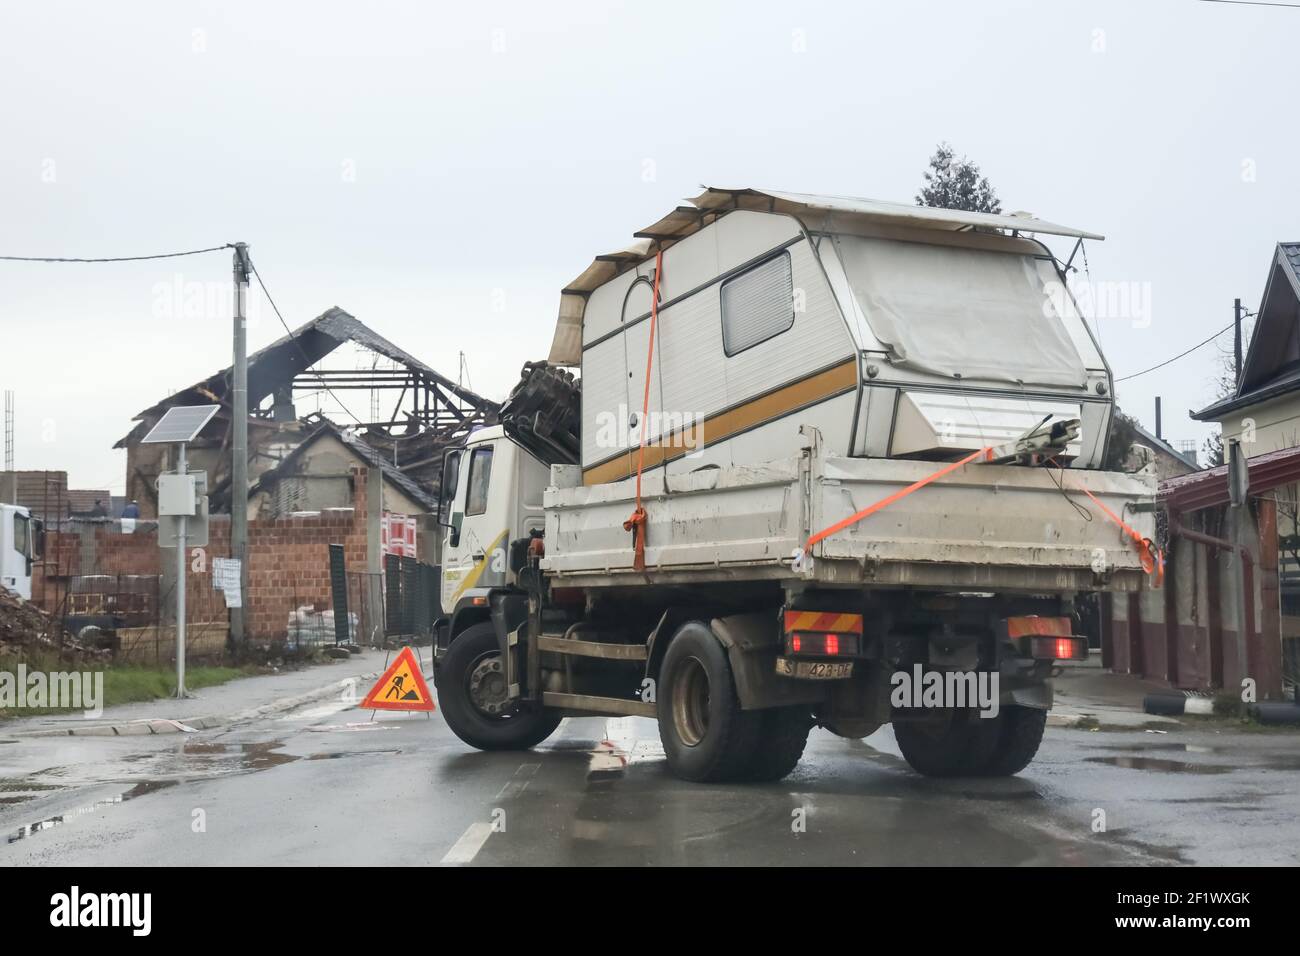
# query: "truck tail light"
[822,644]
[1058,648]
[823,633]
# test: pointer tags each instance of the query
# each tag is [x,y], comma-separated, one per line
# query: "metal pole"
[1236,341]
[239,445]
[181,528]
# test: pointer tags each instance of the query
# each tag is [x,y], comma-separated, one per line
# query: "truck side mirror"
[447,489]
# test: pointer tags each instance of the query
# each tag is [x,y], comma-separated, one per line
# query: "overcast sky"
[442,172]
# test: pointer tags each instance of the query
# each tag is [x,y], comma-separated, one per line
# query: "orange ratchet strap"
[987,453]
[636,523]
[1152,558]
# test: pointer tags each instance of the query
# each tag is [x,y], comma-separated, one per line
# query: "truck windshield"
[480,473]
[968,313]
[22,534]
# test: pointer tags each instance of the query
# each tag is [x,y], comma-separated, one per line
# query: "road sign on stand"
[402,687]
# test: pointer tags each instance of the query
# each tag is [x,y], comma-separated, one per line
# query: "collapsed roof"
[278,364]
[813,211]
[431,411]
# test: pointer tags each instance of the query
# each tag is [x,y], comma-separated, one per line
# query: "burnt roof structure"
[286,362]
[430,411]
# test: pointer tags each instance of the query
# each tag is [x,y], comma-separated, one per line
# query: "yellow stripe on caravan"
[775,404]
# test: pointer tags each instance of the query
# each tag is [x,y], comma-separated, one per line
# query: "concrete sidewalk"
[246,698]
[1086,695]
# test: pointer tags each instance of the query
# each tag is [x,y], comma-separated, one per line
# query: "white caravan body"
[895,331]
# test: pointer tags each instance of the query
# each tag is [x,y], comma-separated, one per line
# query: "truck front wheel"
[706,736]
[472,694]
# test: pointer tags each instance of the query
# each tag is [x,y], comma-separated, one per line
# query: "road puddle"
[1160,765]
[1181,748]
[139,790]
[191,760]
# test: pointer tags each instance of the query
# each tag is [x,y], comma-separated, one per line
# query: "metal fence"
[411,598]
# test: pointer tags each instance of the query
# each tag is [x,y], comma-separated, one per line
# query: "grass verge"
[130,683]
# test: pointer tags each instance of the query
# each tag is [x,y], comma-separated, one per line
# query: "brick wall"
[288,561]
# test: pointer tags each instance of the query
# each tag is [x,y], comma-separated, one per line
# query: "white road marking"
[476,834]
[466,848]
[519,782]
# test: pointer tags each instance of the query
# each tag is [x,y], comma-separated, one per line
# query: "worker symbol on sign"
[401,687]
[395,690]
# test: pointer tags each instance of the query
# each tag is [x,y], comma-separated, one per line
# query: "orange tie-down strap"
[637,522]
[852,519]
[1150,556]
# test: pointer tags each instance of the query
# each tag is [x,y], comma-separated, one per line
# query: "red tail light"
[1058,648]
[822,644]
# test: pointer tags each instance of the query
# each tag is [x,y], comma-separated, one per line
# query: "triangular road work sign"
[401,687]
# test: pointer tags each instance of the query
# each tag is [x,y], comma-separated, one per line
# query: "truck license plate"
[814,670]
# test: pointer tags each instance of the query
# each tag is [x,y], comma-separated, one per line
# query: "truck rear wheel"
[472,693]
[1019,732]
[706,736]
[948,744]
[782,736]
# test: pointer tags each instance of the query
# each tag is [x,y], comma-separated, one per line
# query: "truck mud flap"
[751,641]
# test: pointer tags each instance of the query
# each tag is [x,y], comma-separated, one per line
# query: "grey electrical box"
[176,494]
[196,524]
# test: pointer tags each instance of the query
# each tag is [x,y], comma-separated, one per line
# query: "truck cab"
[20,548]
[491,496]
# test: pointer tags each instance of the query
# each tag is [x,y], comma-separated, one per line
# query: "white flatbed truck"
[734,615]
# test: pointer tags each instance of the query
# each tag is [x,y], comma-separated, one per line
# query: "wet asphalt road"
[328,786]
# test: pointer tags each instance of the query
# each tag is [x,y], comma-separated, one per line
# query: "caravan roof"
[566,347]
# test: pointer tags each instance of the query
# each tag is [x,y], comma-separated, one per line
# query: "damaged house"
[300,463]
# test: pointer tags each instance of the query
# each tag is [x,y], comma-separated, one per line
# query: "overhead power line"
[161,255]
[1198,345]
[1254,3]
[293,338]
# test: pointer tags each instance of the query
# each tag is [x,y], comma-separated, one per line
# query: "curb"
[147,726]
[1174,705]
[1067,720]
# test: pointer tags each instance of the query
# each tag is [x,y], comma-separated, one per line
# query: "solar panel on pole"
[181,424]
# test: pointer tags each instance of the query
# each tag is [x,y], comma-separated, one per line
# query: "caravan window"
[757,304]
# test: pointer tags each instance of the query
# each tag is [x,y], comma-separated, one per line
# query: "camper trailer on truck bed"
[815,443]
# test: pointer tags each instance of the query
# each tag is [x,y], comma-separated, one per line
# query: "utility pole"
[1159,427]
[239,445]
[1236,341]
[181,531]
